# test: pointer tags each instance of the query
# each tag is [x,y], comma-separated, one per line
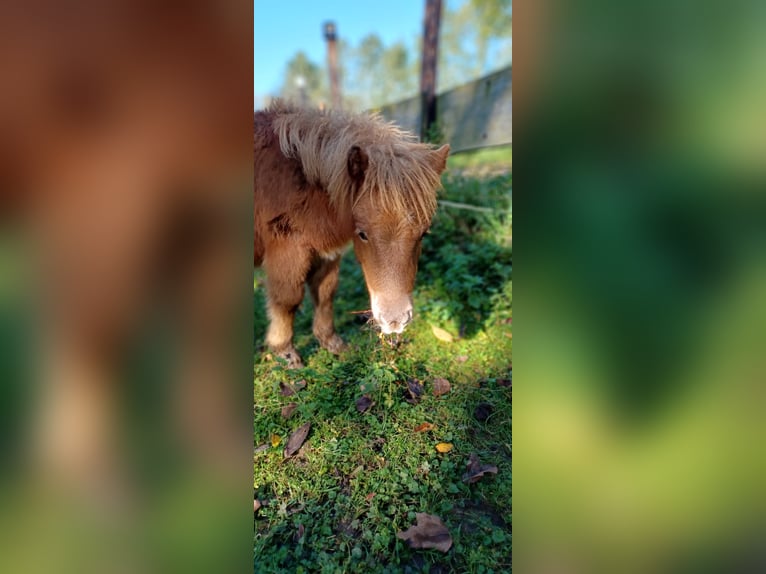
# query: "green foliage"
[361,477]
[467,261]
[499,158]
[475,39]
[378,74]
[435,135]
[304,81]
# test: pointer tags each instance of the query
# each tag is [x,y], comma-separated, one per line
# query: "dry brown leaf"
[296,440]
[428,532]
[286,390]
[414,391]
[441,334]
[423,427]
[289,389]
[288,410]
[256,505]
[363,403]
[440,386]
[443,447]
[476,470]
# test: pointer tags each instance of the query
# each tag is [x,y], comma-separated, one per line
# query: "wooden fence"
[474,115]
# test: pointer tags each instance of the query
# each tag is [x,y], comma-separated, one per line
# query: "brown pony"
[323,178]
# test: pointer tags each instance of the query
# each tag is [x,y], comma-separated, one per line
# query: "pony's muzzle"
[391,318]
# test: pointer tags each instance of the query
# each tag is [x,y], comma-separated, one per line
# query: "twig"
[446,203]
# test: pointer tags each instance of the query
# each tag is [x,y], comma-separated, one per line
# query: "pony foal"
[323,178]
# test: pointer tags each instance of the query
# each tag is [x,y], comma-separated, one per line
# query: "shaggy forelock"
[400,177]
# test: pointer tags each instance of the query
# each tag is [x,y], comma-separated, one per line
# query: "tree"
[304,81]
[476,39]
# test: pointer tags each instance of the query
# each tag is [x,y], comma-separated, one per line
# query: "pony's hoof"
[292,357]
[334,344]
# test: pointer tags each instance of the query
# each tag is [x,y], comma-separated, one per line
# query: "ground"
[369,463]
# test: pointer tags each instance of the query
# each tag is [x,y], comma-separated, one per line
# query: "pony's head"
[380,177]
[392,211]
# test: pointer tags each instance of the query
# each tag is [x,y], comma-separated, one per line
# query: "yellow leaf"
[444,447]
[441,334]
[275,439]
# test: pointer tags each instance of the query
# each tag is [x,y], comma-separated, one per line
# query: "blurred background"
[641,227]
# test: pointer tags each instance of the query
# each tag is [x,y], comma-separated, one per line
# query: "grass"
[499,158]
[360,478]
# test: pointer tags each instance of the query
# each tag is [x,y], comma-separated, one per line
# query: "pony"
[322,179]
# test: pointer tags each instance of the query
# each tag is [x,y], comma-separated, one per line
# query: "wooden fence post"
[429,65]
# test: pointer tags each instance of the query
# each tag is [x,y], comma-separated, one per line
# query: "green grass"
[491,158]
[360,477]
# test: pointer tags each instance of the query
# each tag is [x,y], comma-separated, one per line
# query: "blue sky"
[283,27]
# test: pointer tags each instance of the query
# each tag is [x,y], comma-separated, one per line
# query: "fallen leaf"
[441,334]
[289,389]
[368,498]
[414,390]
[428,532]
[443,447]
[256,505]
[440,387]
[288,410]
[476,470]
[423,427]
[296,440]
[461,358]
[363,403]
[286,390]
[275,440]
[482,411]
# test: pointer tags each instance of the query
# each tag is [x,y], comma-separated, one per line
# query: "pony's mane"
[400,177]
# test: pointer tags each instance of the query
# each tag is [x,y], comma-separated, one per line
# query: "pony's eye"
[362,235]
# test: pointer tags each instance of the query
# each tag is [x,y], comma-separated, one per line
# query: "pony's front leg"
[323,282]
[285,276]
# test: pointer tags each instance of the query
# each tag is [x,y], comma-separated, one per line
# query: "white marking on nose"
[390,321]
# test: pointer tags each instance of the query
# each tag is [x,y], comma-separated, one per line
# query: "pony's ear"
[357,163]
[439,158]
